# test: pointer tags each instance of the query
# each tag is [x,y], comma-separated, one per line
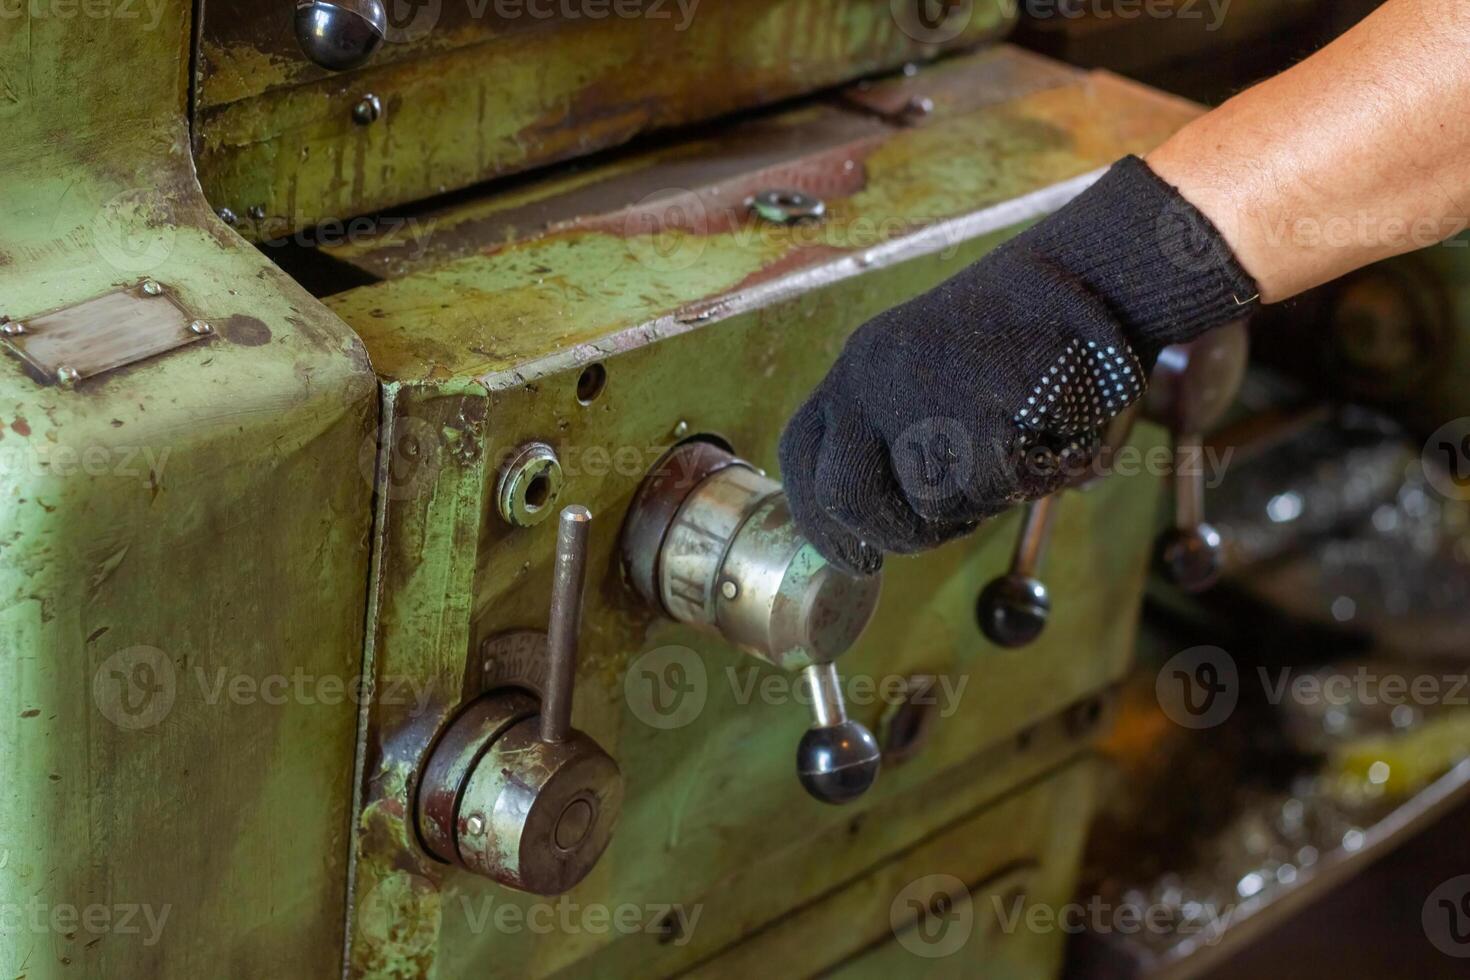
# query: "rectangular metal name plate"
[102,334]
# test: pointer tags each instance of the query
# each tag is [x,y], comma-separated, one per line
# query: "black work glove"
[993,387]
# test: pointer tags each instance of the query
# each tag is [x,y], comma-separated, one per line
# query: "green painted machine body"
[204,551]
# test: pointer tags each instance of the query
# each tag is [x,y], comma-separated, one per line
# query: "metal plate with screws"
[128,325]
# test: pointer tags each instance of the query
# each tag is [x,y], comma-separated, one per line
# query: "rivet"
[13,328]
[475,825]
[66,376]
[681,429]
[152,288]
[201,328]
[729,589]
[368,110]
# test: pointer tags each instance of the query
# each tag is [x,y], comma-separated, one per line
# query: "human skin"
[1359,153]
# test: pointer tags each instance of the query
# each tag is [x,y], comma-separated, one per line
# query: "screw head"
[67,376]
[151,288]
[475,825]
[201,328]
[786,207]
[729,589]
[681,429]
[13,328]
[228,216]
[368,110]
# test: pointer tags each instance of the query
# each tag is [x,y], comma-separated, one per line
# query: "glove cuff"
[1154,259]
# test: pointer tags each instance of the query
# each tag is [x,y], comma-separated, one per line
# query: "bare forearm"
[1359,153]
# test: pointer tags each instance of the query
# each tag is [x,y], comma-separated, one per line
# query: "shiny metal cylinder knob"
[712,542]
[339,35]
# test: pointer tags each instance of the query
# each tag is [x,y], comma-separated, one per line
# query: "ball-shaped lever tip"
[340,35]
[838,763]
[1192,558]
[1013,610]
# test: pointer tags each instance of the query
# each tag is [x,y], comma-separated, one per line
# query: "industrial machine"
[395,578]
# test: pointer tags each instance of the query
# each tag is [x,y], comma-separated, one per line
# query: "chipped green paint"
[164,530]
[277,133]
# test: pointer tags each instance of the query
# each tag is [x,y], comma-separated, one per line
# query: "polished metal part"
[733,561]
[530,482]
[13,329]
[787,207]
[1014,609]
[568,580]
[151,287]
[710,540]
[339,35]
[228,216]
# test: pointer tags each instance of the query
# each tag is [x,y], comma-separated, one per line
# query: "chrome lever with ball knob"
[1014,609]
[710,542]
[1192,386]
[511,790]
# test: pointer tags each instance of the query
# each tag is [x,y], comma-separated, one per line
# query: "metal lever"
[339,35]
[511,790]
[1013,609]
[567,586]
[1192,552]
[1192,386]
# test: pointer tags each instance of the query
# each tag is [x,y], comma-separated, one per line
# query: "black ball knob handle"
[1192,557]
[1013,610]
[837,759]
[838,763]
[340,35]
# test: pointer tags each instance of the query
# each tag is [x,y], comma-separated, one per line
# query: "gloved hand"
[991,388]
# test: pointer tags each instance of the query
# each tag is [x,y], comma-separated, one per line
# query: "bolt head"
[368,110]
[67,376]
[13,329]
[151,288]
